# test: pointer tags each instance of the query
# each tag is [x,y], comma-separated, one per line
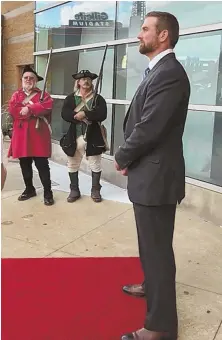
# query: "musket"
[44,86]
[99,79]
[46,75]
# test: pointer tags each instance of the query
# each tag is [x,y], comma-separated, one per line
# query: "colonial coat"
[95,142]
[28,140]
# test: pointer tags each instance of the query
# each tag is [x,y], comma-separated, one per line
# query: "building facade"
[17,22]
[78,32]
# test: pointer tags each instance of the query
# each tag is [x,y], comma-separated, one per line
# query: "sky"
[189,13]
[62,14]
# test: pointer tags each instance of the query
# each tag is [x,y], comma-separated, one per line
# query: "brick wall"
[18,43]
[7,6]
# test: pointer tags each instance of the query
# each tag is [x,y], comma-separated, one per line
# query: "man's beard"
[28,87]
[87,86]
[144,49]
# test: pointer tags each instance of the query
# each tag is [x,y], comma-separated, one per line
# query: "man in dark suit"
[152,157]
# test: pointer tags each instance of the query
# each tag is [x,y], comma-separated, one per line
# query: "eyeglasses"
[29,78]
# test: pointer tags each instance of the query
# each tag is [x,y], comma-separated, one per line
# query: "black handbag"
[68,143]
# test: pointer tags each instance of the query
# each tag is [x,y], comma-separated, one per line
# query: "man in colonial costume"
[31,137]
[85,131]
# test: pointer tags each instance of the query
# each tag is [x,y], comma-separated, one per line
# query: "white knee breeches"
[74,162]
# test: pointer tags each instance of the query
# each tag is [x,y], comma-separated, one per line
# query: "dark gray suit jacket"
[153,130]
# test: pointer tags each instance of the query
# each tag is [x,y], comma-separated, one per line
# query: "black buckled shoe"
[27,194]
[48,199]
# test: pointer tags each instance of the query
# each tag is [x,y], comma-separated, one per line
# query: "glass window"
[120,112]
[108,125]
[219,83]
[198,141]
[189,14]
[202,142]
[130,68]
[216,167]
[130,16]
[63,65]
[198,53]
[60,127]
[43,4]
[75,23]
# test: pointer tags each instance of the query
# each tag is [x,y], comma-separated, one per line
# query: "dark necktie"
[146,72]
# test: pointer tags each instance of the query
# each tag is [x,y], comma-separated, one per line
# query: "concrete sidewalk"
[30,229]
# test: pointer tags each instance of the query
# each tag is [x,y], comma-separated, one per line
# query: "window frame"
[59,3]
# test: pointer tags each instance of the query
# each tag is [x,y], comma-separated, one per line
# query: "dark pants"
[155,227]
[42,164]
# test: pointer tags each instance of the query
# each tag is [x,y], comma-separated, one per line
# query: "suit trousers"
[74,162]
[155,228]
[42,165]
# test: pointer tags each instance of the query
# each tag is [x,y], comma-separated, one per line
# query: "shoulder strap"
[83,103]
[28,98]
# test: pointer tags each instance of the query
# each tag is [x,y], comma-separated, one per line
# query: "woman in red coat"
[31,138]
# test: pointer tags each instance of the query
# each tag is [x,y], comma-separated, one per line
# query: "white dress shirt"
[158,57]
[155,60]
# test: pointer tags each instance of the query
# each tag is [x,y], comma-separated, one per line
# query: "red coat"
[27,140]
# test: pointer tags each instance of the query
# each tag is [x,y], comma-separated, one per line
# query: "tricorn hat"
[84,74]
[28,68]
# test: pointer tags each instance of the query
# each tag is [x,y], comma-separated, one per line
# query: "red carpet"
[69,298]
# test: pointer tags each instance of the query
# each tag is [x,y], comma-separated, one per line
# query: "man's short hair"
[166,21]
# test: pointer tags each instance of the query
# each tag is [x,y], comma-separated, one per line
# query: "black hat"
[27,68]
[84,74]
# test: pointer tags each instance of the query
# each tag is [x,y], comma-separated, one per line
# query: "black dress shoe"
[128,337]
[136,337]
[49,200]
[144,334]
[27,195]
[136,290]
